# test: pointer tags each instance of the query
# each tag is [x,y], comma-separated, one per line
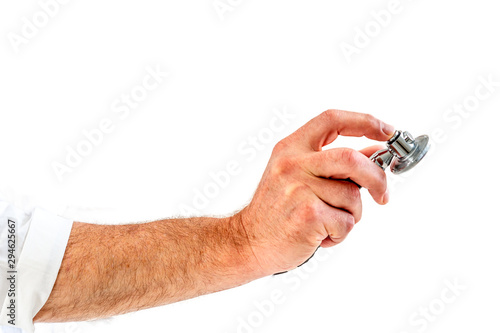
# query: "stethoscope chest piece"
[402,152]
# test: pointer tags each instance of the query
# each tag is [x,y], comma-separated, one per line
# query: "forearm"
[114,269]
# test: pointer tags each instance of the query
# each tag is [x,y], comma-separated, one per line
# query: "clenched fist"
[304,199]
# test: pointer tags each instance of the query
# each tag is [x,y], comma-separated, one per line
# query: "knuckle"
[280,147]
[373,121]
[309,211]
[344,227]
[346,223]
[281,166]
[350,157]
[295,189]
[349,223]
[330,114]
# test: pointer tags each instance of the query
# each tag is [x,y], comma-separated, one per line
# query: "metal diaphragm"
[407,161]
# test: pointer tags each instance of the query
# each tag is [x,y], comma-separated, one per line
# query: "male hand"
[303,199]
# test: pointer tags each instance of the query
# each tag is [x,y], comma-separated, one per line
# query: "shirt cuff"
[39,265]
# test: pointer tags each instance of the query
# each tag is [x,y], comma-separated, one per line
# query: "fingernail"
[388,129]
[385,199]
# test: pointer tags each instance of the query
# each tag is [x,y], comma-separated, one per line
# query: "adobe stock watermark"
[363,36]
[122,107]
[248,150]
[453,118]
[223,7]
[31,26]
[455,115]
[427,314]
[293,281]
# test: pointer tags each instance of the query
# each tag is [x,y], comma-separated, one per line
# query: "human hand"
[304,199]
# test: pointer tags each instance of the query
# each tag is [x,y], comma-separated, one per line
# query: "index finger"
[325,128]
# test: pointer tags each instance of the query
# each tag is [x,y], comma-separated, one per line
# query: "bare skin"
[302,201]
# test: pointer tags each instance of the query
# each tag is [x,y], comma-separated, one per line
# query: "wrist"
[242,240]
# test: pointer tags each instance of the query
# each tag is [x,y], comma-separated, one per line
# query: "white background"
[226,76]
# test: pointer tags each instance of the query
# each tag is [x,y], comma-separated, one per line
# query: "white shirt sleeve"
[32,246]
